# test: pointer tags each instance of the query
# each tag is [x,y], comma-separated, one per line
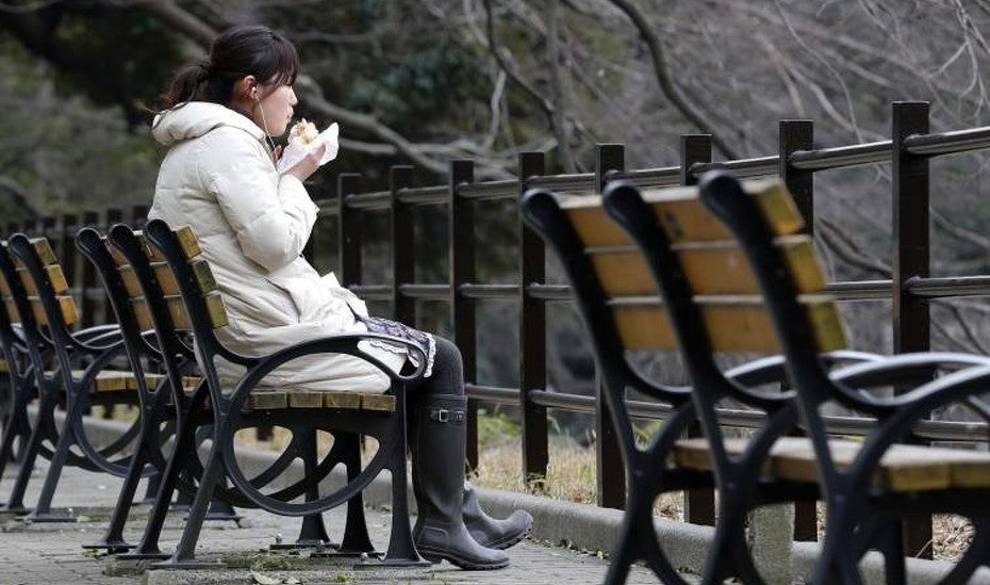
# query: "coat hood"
[194,119]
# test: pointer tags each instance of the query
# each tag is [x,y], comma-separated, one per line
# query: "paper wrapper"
[293,153]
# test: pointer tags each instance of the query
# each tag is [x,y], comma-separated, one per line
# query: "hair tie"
[205,70]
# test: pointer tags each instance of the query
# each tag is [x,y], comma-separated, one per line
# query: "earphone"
[264,122]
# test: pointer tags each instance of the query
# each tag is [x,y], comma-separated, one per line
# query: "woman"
[219,177]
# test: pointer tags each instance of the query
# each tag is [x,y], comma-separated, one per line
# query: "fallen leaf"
[263,579]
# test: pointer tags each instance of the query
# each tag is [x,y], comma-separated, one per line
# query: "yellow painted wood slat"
[378,402]
[305,399]
[712,268]
[267,400]
[904,468]
[188,243]
[734,324]
[682,215]
[343,400]
[215,309]
[54,274]
[66,305]
[166,278]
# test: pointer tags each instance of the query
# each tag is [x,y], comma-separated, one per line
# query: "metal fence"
[911,288]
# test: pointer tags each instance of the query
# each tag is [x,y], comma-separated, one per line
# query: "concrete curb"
[589,527]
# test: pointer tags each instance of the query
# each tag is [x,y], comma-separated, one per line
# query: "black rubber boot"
[491,532]
[438,451]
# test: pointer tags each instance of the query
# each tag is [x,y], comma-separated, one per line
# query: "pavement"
[43,554]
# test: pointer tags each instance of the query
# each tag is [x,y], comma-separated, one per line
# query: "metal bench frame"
[649,472]
[856,513]
[55,344]
[226,414]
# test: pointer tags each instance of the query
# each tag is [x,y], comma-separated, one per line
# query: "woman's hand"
[308,165]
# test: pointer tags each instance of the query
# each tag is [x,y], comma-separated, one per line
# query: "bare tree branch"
[560,129]
[667,85]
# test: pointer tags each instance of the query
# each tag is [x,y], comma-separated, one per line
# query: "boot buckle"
[442,415]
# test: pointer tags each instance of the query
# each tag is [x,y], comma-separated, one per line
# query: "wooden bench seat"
[904,468]
[280,399]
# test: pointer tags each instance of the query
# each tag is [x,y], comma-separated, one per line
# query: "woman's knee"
[448,370]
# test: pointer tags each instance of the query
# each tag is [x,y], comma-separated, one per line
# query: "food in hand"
[303,132]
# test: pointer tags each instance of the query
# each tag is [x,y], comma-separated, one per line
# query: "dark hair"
[238,52]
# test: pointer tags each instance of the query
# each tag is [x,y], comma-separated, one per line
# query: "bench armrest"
[907,369]
[773,369]
[332,344]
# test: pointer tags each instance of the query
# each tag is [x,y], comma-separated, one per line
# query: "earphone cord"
[264,123]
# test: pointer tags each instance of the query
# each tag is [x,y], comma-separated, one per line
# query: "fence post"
[532,336]
[70,225]
[699,505]
[911,321]
[115,215]
[88,276]
[796,135]
[348,231]
[462,318]
[609,158]
[403,251]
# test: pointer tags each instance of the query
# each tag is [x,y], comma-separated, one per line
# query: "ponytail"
[188,84]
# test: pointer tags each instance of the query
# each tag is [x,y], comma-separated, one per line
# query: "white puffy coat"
[252,224]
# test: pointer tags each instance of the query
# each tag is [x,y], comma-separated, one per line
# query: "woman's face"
[273,110]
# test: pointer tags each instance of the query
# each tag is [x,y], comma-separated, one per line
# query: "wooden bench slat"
[55,276]
[166,278]
[711,268]
[734,324]
[188,242]
[267,400]
[305,399]
[67,306]
[904,468]
[681,214]
[378,402]
[351,400]
[215,308]
[43,248]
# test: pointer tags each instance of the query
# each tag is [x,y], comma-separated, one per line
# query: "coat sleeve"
[271,215]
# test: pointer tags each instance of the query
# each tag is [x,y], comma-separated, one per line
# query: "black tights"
[448,373]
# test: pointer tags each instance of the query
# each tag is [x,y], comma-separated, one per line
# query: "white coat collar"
[193,119]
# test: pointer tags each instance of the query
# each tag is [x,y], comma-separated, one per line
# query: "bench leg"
[356,539]
[313,532]
[43,510]
[185,553]
[401,549]
[17,428]
[149,548]
[638,542]
[838,562]
[113,540]
[221,510]
[27,460]
[154,483]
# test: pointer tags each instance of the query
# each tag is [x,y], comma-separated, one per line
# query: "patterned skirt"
[424,341]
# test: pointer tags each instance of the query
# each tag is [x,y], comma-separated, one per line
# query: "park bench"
[666,275]
[176,295]
[162,404]
[57,367]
